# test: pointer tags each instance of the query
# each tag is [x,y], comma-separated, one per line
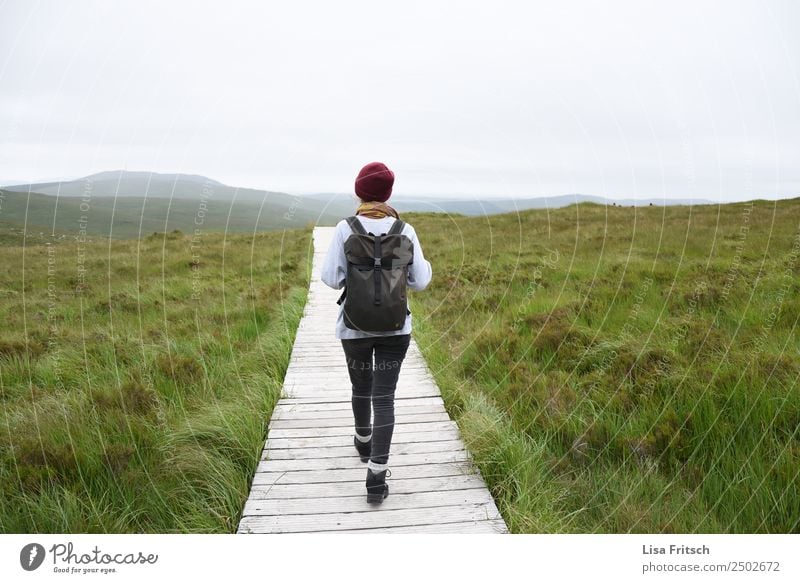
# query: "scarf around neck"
[376,210]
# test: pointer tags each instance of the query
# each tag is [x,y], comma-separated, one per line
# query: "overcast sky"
[491,98]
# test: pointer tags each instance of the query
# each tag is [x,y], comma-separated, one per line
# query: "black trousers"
[374,384]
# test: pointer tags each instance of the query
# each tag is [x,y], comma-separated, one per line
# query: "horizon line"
[450,196]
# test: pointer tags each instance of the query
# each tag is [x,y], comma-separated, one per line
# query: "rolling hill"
[125,204]
[131,204]
[124,183]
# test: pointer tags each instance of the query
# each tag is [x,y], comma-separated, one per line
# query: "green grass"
[611,369]
[623,369]
[137,377]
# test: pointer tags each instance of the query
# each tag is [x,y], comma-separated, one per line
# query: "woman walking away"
[375,256]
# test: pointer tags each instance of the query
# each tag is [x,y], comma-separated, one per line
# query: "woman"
[374,384]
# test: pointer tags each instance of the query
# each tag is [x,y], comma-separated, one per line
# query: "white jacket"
[334,270]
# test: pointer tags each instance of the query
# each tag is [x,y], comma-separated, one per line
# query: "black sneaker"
[377,488]
[364,448]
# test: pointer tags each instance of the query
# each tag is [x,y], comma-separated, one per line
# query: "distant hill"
[129,204]
[123,183]
[344,203]
[9,181]
[121,204]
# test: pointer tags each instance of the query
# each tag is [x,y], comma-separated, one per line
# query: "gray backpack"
[374,294]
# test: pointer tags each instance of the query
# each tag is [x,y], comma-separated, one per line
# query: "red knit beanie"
[374,182]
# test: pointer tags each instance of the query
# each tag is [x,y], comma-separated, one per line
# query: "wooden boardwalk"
[310,478]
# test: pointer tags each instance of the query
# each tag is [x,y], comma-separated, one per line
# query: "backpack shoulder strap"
[397,227]
[356,225]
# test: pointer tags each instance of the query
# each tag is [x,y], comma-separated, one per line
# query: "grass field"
[137,377]
[611,369]
[623,370]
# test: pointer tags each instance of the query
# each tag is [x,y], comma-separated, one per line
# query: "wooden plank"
[475,527]
[394,501]
[376,517]
[342,398]
[336,394]
[344,391]
[354,462]
[332,431]
[407,386]
[302,407]
[496,526]
[337,355]
[325,476]
[347,413]
[274,443]
[317,342]
[322,370]
[336,489]
[300,453]
[343,394]
[326,382]
[405,412]
[348,421]
[344,384]
[305,364]
[301,363]
[312,354]
[339,373]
